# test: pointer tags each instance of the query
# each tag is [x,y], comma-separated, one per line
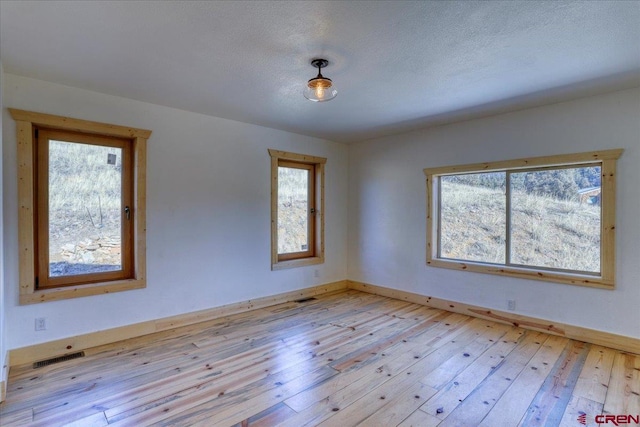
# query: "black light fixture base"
[319,62]
[319,88]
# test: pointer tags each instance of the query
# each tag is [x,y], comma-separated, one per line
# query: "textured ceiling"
[397,65]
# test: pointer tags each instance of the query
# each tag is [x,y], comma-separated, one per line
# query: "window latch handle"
[127,212]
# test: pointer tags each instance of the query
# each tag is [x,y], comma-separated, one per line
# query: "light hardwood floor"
[343,359]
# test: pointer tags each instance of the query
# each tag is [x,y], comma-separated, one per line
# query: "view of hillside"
[292,210]
[84,208]
[551,226]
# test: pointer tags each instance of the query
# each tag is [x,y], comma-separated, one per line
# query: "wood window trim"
[607,159]
[318,254]
[26,121]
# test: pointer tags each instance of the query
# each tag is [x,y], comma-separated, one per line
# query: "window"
[297,202]
[81,187]
[545,218]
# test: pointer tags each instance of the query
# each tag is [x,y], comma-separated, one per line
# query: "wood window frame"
[311,223]
[315,253]
[27,122]
[41,187]
[606,159]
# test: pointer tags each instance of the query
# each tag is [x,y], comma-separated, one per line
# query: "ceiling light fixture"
[320,88]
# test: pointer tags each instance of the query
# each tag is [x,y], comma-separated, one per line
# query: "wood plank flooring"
[343,359]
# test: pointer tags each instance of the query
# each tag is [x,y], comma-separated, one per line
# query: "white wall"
[208,213]
[387,207]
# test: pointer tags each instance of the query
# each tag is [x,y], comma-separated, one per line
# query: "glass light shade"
[320,89]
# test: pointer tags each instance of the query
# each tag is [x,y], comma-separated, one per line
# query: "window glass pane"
[293,208]
[472,217]
[555,218]
[85,184]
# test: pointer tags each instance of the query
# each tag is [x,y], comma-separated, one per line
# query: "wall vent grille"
[58,359]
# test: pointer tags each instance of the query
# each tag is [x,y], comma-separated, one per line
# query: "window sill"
[282,265]
[79,291]
[525,273]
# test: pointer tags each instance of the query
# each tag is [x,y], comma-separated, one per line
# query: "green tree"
[557,183]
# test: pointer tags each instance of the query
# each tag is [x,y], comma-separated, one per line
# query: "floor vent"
[305,299]
[58,359]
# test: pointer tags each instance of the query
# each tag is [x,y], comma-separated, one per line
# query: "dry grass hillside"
[546,231]
[85,208]
[292,210]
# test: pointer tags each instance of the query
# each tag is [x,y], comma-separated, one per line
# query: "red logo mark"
[617,420]
[582,419]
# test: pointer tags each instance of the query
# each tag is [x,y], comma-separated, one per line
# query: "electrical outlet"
[41,324]
[316,273]
[511,305]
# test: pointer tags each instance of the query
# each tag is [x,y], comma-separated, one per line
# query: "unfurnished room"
[320,213]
